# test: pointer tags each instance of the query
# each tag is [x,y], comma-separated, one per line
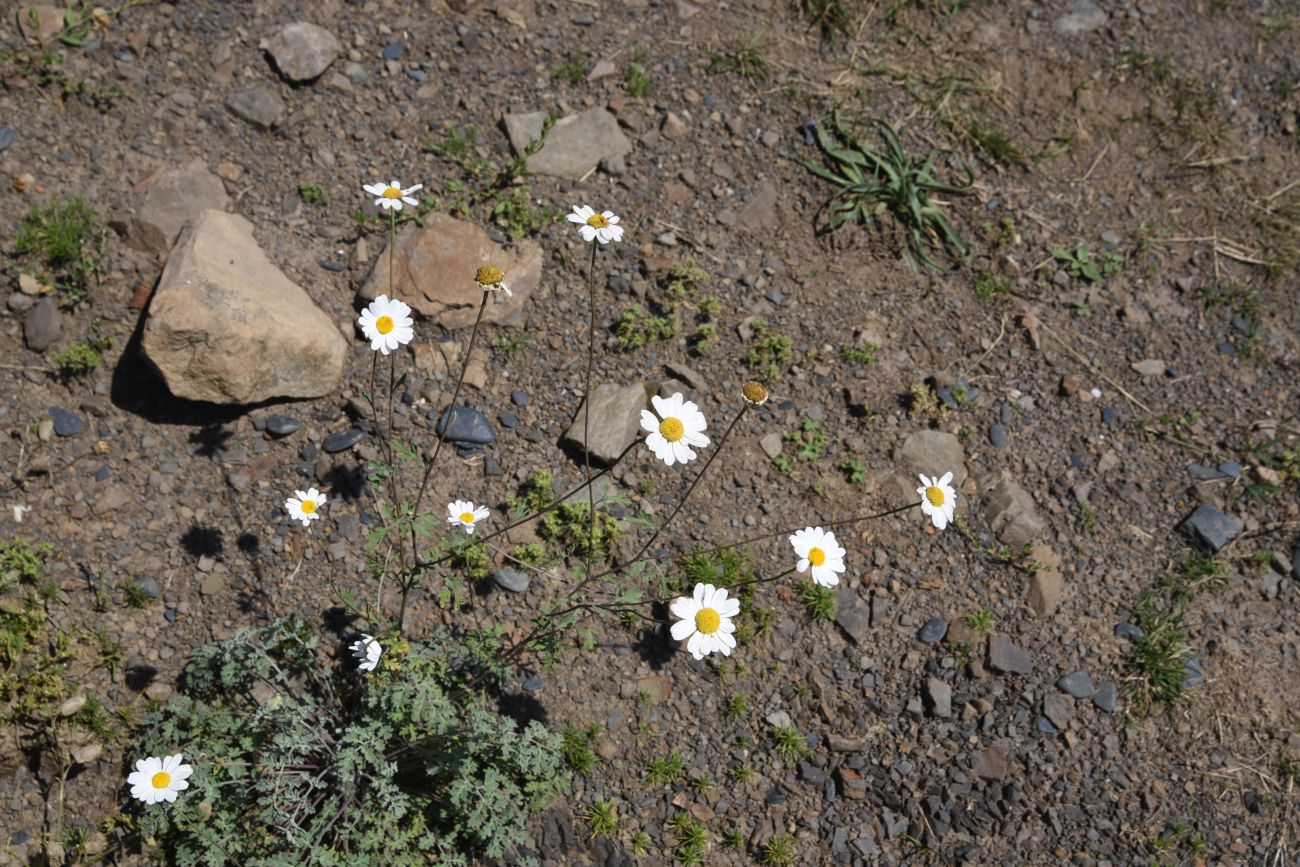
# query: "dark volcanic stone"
[1077,684]
[533,683]
[66,424]
[1129,631]
[1006,657]
[934,629]
[281,425]
[468,425]
[343,440]
[1210,528]
[997,436]
[519,398]
[1105,696]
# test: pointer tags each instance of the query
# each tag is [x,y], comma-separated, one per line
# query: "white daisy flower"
[818,551]
[367,651]
[387,324]
[679,425]
[491,277]
[464,512]
[704,620]
[391,195]
[305,505]
[159,779]
[602,227]
[938,499]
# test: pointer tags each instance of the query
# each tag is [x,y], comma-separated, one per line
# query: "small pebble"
[997,436]
[66,424]
[394,50]
[1077,684]
[1105,696]
[934,629]
[519,398]
[281,425]
[1129,631]
[510,579]
[533,683]
[343,440]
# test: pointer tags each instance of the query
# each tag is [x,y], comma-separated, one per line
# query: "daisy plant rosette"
[305,506]
[674,429]
[391,196]
[819,554]
[938,499]
[704,621]
[159,778]
[465,514]
[602,227]
[387,324]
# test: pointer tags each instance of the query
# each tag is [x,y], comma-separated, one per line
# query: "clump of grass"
[574,69]
[994,141]
[733,839]
[779,851]
[83,356]
[135,594]
[981,621]
[1158,660]
[665,770]
[788,743]
[313,194]
[748,59]
[577,747]
[817,600]
[64,236]
[872,182]
[603,818]
[863,353]
[636,80]
[737,707]
[989,285]
[692,839]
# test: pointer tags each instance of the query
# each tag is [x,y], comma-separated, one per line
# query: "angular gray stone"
[575,145]
[434,266]
[853,616]
[174,198]
[281,425]
[1149,367]
[260,106]
[1104,697]
[1077,684]
[302,51]
[510,579]
[341,441]
[932,453]
[227,326]
[938,697]
[43,325]
[1059,709]
[991,763]
[1210,528]
[1007,657]
[615,421]
[761,211]
[1081,17]
[1011,512]
[66,424]
[934,629]
[467,426]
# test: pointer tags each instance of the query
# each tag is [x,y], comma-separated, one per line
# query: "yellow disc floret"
[384,324]
[308,506]
[671,429]
[467,517]
[161,780]
[934,494]
[391,193]
[707,621]
[598,221]
[754,392]
[817,556]
[488,275]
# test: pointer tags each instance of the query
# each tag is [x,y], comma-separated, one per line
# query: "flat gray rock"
[174,198]
[43,325]
[1210,528]
[302,51]
[260,106]
[1007,657]
[1077,684]
[510,579]
[575,145]
[853,616]
[1011,512]
[615,421]
[227,326]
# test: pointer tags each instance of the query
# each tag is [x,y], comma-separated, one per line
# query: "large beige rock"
[575,145]
[227,326]
[173,199]
[434,270]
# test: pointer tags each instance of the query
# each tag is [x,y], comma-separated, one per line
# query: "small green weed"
[831,17]
[66,238]
[854,471]
[789,744]
[981,621]
[639,843]
[636,81]
[875,182]
[603,818]
[134,593]
[779,851]
[1158,660]
[313,194]
[748,60]
[733,839]
[637,328]
[817,600]
[692,840]
[989,285]
[742,774]
[810,441]
[737,707]
[83,356]
[574,70]
[863,353]
[577,747]
[1079,263]
[665,770]
[770,353]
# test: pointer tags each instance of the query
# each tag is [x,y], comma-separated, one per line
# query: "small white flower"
[704,620]
[602,227]
[367,651]
[305,505]
[938,499]
[679,425]
[387,324]
[463,512]
[490,277]
[391,195]
[159,779]
[818,551]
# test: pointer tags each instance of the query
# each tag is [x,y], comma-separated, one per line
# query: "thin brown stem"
[586,406]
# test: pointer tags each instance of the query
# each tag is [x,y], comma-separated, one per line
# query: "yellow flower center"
[308,506]
[391,193]
[817,556]
[934,494]
[671,429]
[384,324]
[707,621]
[598,221]
[488,275]
[754,392]
[161,780]
[467,517]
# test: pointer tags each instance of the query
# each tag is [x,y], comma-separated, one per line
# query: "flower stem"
[586,406]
